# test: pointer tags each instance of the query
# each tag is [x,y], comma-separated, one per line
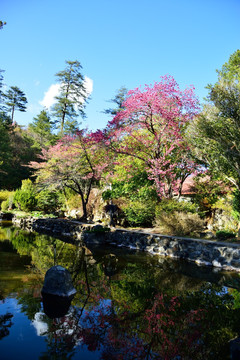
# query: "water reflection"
[5,324]
[126,306]
[55,306]
[57,292]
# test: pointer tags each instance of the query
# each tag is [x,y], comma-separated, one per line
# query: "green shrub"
[170,205]
[107,195]
[227,212]
[139,214]
[225,234]
[8,202]
[236,204]
[74,202]
[48,201]
[5,205]
[25,198]
[134,188]
[5,194]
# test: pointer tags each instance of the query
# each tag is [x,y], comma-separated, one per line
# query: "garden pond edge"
[221,255]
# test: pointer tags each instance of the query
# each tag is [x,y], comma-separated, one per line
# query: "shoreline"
[221,255]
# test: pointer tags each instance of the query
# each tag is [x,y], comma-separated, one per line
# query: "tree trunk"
[13,113]
[84,209]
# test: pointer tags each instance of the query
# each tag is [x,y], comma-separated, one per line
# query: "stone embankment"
[222,255]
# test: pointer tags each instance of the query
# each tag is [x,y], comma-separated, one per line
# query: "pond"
[128,305]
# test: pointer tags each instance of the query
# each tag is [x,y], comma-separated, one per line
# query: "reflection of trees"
[30,303]
[127,309]
[22,241]
[5,323]
[196,325]
[62,335]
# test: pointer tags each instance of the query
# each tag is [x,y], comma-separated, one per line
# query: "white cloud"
[88,83]
[49,96]
[54,90]
[40,325]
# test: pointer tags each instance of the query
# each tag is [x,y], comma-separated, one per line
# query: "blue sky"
[119,43]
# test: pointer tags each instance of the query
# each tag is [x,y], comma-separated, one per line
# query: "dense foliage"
[157,137]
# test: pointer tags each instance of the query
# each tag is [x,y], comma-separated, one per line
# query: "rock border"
[218,254]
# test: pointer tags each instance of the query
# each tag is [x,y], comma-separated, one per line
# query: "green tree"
[215,133]
[15,99]
[1,92]
[73,95]
[151,128]
[17,150]
[231,70]
[118,100]
[41,130]
[5,150]
[75,163]
[133,191]
[5,120]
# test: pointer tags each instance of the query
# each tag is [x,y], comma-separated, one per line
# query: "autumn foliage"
[151,128]
[146,135]
[75,162]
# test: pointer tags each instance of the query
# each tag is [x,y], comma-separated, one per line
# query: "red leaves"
[163,99]
[173,330]
[151,129]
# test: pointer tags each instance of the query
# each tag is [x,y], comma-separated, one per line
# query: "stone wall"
[202,252]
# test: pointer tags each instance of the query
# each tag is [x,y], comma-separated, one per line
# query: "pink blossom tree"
[75,162]
[151,128]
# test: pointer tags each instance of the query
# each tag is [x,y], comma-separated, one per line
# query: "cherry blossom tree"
[75,162]
[151,128]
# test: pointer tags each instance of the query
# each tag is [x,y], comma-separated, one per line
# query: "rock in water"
[58,282]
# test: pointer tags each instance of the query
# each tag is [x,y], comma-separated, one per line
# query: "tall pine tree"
[15,99]
[73,95]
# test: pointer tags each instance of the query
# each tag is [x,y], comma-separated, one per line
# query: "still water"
[128,305]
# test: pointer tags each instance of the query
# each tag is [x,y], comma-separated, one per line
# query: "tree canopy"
[75,163]
[215,133]
[150,128]
[41,129]
[15,99]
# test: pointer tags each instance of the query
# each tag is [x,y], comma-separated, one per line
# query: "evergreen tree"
[73,95]
[1,93]
[16,151]
[41,130]
[5,148]
[22,152]
[15,99]
[119,99]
